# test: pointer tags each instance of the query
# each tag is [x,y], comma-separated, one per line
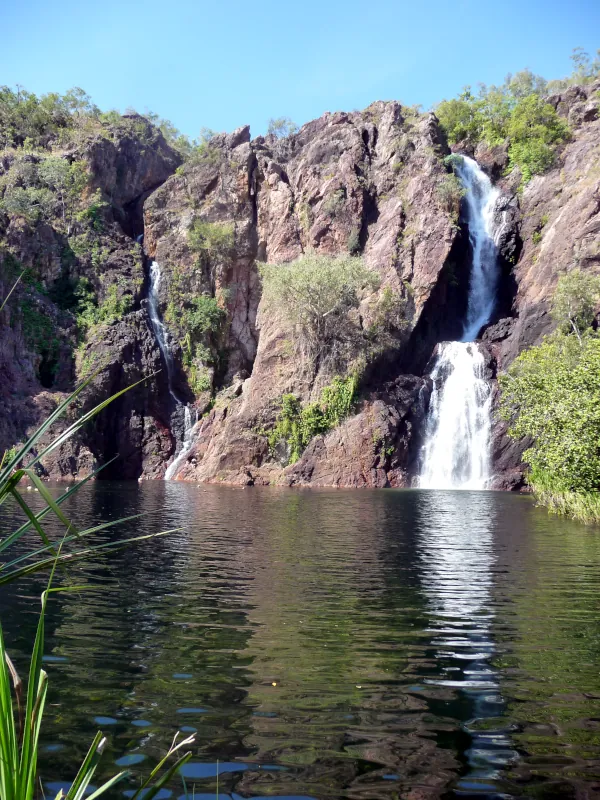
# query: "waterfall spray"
[455,454]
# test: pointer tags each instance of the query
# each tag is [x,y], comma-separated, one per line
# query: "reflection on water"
[328,644]
[456,548]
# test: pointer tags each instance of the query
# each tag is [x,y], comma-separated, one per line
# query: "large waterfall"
[160,334]
[456,454]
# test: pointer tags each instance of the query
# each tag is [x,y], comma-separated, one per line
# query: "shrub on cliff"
[281,127]
[515,112]
[552,394]
[297,424]
[575,300]
[450,191]
[214,239]
[201,325]
[315,293]
[319,296]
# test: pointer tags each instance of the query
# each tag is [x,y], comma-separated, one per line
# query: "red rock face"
[365,182]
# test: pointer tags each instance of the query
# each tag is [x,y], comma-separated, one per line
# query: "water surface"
[327,644]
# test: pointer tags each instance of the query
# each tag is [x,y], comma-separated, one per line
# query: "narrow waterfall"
[186,445]
[158,327]
[161,336]
[455,453]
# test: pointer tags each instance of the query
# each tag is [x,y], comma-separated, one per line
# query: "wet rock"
[370,448]
[493,160]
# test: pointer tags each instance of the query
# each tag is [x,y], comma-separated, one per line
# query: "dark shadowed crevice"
[442,317]
[369,217]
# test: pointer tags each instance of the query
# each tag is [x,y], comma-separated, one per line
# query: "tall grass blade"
[14,286]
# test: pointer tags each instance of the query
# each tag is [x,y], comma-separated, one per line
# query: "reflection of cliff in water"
[337,615]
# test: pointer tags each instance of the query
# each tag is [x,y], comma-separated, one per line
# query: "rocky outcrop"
[216,189]
[372,448]
[84,243]
[372,183]
[365,182]
[559,223]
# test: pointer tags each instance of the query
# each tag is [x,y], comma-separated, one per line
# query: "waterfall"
[481,199]
[161,336]
[158,327]
[188,441]
[456,450]
[455,453]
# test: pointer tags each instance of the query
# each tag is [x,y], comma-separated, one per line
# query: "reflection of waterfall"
[456,450]
[161,336]
[457,555]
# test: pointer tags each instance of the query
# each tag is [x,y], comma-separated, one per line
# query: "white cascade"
[455,453]
[456,450]
[160,334]
[158,327]
[188,441]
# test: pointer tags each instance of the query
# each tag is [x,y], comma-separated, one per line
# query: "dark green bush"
[296,424]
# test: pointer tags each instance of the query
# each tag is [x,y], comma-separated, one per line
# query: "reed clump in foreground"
[21,711]
[581,506]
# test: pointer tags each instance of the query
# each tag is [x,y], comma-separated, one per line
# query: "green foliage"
[203,150]
[575,301]
[215,239]
[335,202]
[450,192]
[461,118]
[87,311]
[36,121]
[33,190]
[38,328]
[534,129]
[552,394]
[93,215]
[177,140]
[31,204]
[585,70]
[66,180]
[388,317]
[354,242]
[205,315]
[513,111]
[201,322]
[580,505]
[281,127]
[296,424]
[315,294]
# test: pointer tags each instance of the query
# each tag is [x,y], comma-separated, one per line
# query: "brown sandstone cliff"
[370,183]
[366,182]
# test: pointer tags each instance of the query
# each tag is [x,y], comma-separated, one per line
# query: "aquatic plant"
[20,727]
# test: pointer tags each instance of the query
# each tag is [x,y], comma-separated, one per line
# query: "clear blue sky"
[225,63]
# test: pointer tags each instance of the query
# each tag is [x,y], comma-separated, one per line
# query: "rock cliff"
[371,183]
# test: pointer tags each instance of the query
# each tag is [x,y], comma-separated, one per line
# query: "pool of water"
[326,644]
